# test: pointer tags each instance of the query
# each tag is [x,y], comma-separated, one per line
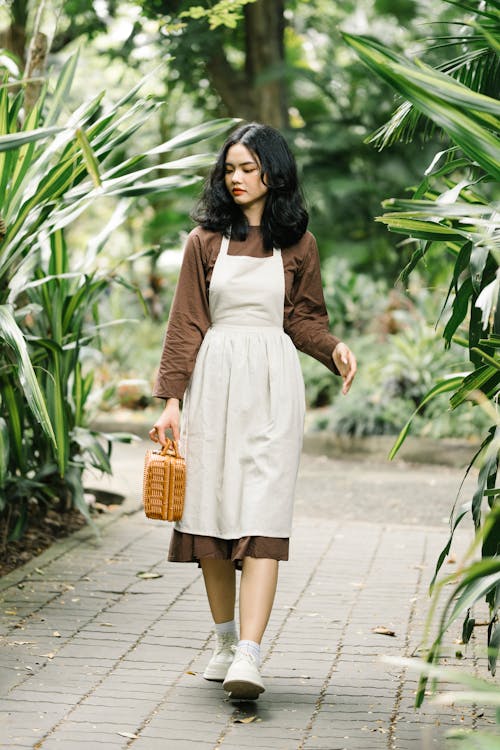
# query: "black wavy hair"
[285,217]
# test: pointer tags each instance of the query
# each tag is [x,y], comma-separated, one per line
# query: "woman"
[249,294]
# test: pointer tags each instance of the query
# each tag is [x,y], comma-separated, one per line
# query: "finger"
[176,432]
[349,373]
[160,432]
[348,379]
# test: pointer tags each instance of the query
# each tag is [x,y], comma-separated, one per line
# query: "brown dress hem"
[185,547]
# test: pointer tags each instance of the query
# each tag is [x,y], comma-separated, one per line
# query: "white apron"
[243,412]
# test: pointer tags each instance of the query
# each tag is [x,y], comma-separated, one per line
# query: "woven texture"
[164,483]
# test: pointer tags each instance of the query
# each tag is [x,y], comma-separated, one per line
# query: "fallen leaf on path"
[20,643]
[106,625]
[129,735]
[10,612]
[146,574]
[189,672]
[50,655]
[451,560]
[381,630]
[56,634]
[245,720]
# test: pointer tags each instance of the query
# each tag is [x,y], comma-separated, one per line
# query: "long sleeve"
[306,318]
[188,322]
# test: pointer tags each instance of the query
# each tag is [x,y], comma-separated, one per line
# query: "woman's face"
[243,178]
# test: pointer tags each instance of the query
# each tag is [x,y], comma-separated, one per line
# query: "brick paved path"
[94,656]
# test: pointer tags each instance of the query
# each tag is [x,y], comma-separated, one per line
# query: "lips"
[238,191]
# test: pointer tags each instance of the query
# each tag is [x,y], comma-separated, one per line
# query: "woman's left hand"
[345,362]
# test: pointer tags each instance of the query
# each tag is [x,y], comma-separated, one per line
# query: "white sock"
[252,648]
[221,628]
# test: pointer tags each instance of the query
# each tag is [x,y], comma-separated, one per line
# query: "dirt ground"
[41,533]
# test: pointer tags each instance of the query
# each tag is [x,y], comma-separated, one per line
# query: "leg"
[257,590]
[220,583]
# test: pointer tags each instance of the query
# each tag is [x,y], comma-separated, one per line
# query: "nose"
[235,176]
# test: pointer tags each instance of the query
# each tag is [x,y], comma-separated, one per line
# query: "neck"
[253,215]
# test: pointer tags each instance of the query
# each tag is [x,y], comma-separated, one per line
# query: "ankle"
[226,630]
[252,648]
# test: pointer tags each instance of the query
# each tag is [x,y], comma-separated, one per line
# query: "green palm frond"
[476,65]
[470,119]
[478,69]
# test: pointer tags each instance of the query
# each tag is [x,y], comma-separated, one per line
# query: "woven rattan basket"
[164,483]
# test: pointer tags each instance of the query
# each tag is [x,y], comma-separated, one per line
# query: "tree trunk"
[35,69]
[36,61]
[259,91]
[265,59]
[14,37]
[33,61]
[14,40]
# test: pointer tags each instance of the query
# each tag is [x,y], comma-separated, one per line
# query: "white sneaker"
[243,680]
[222,658]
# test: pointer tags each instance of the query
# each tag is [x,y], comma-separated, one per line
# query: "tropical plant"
[454,212]
[474,579]
[471,691]
[460,590]
[52,167]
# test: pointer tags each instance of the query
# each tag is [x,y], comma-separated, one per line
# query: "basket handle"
[170,448]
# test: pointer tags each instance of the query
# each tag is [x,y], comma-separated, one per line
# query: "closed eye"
[247,168]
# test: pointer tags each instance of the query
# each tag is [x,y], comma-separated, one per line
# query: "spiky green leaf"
[13,336]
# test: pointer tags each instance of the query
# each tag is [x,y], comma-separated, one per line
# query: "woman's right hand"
[169,419]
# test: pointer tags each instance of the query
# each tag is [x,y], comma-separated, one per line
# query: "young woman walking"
[249,294]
